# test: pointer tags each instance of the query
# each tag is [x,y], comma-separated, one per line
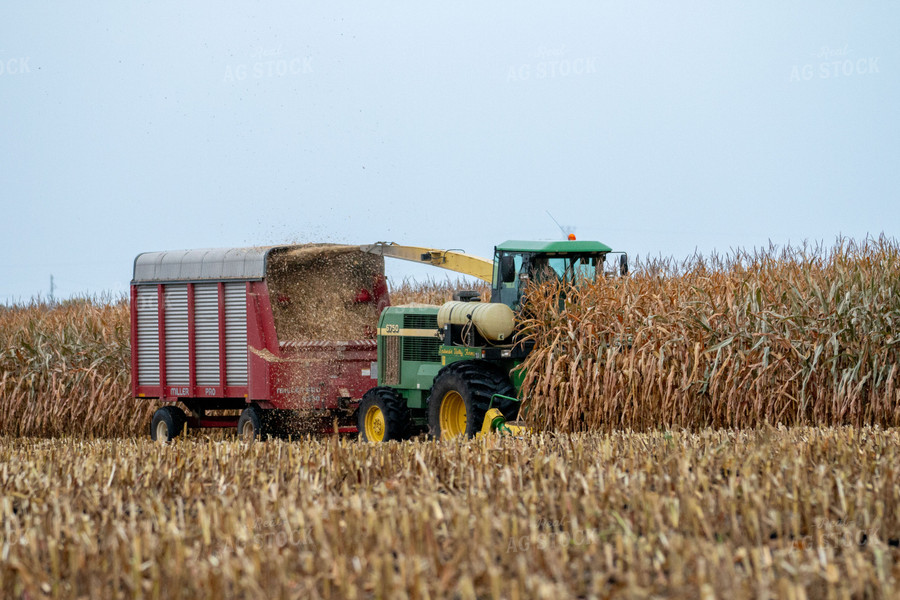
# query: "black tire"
[252,424]
[390,414]
[167,423]
[475,382]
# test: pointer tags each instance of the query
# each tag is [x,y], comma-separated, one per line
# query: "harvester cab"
[518,263]
[451,370]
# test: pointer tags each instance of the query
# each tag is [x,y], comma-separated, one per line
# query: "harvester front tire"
[252,424]
[167,423]
[461,395]
[382,416]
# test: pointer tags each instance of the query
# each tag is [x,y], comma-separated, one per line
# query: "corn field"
[801,336]
[66,370]
[774,512]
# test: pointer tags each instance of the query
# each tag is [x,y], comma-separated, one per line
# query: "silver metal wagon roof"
[207,263]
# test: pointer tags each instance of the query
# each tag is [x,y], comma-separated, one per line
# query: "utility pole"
[51,289]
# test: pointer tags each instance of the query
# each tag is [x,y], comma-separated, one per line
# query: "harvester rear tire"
[167,424]
[252,424]
[382,416]
[472,383]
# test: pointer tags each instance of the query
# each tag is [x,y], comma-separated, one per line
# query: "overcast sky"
[655,127]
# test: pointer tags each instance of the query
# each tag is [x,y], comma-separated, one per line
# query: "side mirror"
[507,269]
[623,265]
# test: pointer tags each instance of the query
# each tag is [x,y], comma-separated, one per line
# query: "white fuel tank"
[495,322]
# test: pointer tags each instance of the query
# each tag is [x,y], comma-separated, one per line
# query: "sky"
[658,128]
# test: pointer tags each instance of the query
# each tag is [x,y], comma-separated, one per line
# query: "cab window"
[569,269]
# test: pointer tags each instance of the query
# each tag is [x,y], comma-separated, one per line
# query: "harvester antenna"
[567,231]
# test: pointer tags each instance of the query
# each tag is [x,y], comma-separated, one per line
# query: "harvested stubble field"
[793,513]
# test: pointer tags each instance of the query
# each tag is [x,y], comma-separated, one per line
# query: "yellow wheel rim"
[374,424]
[453,415]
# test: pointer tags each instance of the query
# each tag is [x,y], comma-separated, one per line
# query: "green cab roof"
[554,246]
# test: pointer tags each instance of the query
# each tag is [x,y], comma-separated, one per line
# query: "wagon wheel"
[252,424]
[167,424]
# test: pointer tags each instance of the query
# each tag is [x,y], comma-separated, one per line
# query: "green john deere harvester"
[449,370]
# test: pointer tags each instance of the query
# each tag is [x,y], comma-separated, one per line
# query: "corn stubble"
[801,336]
[735,514]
